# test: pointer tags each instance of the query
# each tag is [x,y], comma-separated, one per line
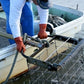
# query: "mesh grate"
[72,71]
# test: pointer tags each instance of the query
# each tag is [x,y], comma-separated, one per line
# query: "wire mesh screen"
[72,72]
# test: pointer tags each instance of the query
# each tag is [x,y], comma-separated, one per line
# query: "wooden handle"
[4,34]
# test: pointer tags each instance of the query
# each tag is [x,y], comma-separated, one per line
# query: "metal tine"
[32,43]
[35,39]
[24,37]
[39,45]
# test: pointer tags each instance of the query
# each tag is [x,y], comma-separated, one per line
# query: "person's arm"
[14,21]
[43,14]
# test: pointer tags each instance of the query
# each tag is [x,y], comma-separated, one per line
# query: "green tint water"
[2,15]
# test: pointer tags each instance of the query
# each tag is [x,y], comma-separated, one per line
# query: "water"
[2,14]
[70,3]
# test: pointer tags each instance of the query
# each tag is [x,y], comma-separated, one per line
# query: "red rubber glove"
[20,44]
[42,33]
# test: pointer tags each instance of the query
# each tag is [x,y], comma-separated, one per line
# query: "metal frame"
[43,44]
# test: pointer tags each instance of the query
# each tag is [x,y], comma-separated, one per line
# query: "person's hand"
[42,32]
[20,44]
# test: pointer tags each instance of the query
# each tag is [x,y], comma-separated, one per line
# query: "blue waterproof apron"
[26,18]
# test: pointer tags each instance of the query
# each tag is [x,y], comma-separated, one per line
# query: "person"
[19,12]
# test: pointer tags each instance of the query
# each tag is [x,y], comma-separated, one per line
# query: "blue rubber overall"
[26,18]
